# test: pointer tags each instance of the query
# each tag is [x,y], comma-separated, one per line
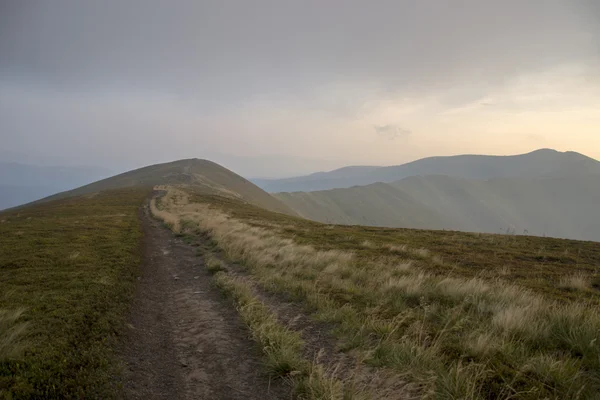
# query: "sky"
[279,88]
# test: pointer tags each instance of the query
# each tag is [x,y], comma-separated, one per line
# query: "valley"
[564,207]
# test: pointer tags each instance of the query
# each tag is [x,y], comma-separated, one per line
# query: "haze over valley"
[544,193]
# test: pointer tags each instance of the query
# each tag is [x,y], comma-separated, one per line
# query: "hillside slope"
[443,311]
[557,206]
[203,175]
[537,164]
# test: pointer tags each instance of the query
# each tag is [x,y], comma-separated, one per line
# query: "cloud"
[216,53]
[391,132]
[168,80]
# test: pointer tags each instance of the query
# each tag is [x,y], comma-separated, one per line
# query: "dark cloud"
[209,51]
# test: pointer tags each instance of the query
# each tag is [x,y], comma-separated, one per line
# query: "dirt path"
[186,341]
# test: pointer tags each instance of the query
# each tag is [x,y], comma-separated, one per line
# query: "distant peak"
[545,150]
[568,153]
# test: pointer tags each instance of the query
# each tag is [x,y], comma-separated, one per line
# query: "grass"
[418,302]
[67,269]
[577,281]
[214,265]
[11,334]
[535,263]
[281,346]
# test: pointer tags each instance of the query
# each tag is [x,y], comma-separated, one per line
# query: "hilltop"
[203,175]
[544,163]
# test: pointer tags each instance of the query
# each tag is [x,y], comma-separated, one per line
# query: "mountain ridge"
[204,175]
[559,206]
[538,163]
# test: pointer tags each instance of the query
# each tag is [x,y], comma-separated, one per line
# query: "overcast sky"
[285,87]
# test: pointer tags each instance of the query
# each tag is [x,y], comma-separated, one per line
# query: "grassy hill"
[453,315]
[540,163]
[205,176]
[68,265]
[553,206]
[447,314]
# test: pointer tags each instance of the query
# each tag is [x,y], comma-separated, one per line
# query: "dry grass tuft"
[11,334]
[577,281]
[171,220]
[399,249]
[214,265]
[367,244]
[421,252]
[283,347]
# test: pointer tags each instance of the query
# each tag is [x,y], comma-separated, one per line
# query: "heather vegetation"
[67,273]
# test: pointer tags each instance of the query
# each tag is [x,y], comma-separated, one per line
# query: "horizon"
[111,172]
[123,84]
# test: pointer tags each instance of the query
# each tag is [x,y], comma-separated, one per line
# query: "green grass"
[213,264]
[461,315]
[69,265]
[282,347]
[12,332]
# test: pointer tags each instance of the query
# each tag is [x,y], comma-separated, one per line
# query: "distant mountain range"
[540,193]
[538,164]
[21,183]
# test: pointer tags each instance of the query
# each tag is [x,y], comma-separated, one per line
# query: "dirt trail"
[186,341]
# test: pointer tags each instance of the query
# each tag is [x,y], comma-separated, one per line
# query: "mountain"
[537,164]
[203,175]
[21,183]
[560,206]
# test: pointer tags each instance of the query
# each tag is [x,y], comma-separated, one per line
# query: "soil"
[186,340]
